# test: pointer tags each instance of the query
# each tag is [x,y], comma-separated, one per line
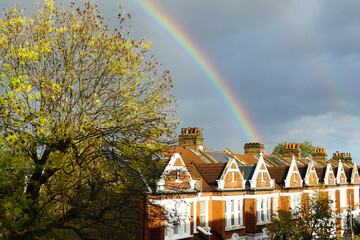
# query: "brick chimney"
[344,157]
[320,155]
[292,149]
[192,138]
[254,148]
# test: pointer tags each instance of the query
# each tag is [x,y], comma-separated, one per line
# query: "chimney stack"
[254,148]
[292,149]
[344,157]
[320,155]
[192,138]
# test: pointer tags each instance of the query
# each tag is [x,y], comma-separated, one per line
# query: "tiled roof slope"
[187,155]
[210,173]
[335,163]
[279,174]
[248,159]
[320,172]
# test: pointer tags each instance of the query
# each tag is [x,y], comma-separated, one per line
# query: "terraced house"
[203,194]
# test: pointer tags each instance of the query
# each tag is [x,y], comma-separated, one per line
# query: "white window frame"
[343,198]
[204,214]
[234,214]
[180,210]
[263,210]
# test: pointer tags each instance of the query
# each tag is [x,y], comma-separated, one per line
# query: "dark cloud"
[294,66]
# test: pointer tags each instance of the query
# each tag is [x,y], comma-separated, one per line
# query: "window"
[263,213]
[203,214]
[177,220]
[233,214]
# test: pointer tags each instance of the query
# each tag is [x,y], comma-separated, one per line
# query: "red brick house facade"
[224,195]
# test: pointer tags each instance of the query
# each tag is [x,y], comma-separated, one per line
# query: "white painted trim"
[227,169]
[257,171]
[160,184]
[311,169]
[327,173]
[354,171]
[338,174]
[291,172]
[245,196]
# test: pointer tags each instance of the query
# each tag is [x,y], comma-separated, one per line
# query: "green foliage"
[84,113]
[307,148]
[313,216]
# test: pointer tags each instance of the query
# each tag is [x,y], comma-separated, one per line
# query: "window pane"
[176,229]
[202,207]
[232,219]
[202,221]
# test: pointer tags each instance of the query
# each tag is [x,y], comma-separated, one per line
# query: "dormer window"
[295,180]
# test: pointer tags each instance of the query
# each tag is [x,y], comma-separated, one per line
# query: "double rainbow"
[160,19]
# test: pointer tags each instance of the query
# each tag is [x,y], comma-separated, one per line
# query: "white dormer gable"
[311,178]
[292,174]
[261,177]
[176,165]
[230,176]
[354,175]
[329,175]
[340,175]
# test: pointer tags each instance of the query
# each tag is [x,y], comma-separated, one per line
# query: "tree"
[84,112]
[313,219]
[307,148]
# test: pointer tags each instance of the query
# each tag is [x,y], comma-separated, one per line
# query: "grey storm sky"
[293,66]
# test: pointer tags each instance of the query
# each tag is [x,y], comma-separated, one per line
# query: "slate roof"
[302,171]
[335,170]
[248,173]
[277,162]
[348,172]
[221,157]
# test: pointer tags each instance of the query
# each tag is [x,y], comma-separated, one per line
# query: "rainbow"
[172,30]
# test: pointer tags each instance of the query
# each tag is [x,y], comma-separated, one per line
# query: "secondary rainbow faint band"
[177,35]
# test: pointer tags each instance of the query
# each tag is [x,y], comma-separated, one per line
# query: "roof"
[210,173]
[279,174]
[348,172]
[248,159]
[302,171]
[187,155]
[277,162]
[219,156]
[320,172]
[248,173]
